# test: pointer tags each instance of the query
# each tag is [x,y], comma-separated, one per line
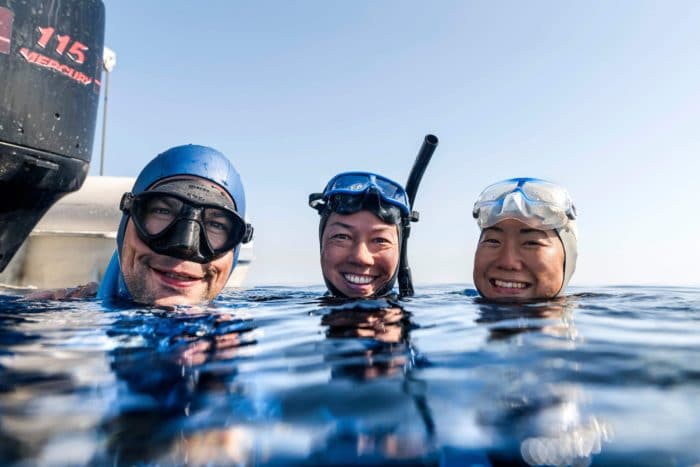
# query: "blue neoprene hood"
[200,161]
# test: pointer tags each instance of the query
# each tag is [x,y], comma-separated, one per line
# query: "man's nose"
[509,257]
[361,254]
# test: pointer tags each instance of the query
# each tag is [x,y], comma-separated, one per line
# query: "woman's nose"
[509,257]
[361,254]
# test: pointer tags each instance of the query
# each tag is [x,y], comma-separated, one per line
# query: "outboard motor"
[50,73]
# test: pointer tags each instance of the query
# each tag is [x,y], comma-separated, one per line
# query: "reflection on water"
[277,376]
[535,408]
[169,366]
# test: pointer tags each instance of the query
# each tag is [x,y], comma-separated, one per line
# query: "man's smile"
[180,276]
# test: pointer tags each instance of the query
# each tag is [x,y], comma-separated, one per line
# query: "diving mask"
[346,193]
[538,203]
[187,219]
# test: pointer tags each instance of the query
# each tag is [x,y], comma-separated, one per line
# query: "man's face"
[359,253]
[515,263]
[163,280]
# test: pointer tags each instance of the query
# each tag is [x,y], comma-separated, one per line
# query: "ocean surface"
[280,376]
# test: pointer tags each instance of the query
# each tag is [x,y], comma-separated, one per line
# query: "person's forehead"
[365,220]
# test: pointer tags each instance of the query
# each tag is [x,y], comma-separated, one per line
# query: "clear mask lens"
[537,203]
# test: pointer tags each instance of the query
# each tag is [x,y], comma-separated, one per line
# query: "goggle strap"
[248,235]
[317,201]
[126,202]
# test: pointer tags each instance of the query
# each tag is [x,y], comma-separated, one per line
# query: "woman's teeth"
[357,279]
[509,284]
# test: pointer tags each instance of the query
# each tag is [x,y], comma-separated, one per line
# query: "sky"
[601,97]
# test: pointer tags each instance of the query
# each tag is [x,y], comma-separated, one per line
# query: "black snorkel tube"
[422,159]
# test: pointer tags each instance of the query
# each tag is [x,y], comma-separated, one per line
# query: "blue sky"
[599,96]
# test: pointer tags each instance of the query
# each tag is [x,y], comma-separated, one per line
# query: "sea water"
[279,376]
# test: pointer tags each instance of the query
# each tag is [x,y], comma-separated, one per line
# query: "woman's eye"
[382,240]
[340,236]
[491,241]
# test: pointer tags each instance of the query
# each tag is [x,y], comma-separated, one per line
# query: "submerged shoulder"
[88,290]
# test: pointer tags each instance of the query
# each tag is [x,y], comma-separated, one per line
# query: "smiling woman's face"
[515,262]
[359,253]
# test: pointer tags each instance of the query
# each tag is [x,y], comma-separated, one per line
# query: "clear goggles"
[161,219]
[345,193]
[538,203]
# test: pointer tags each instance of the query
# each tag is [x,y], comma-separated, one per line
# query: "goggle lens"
[220,227]
[392,190]
[349,182]
[355,183]
[155,213]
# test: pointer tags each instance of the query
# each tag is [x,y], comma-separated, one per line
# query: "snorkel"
[186,161]
[425,153]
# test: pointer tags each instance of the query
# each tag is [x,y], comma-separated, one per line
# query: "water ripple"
[282,376]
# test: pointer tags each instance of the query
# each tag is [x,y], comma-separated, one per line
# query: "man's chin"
[179,300]
[160,296]
[162,293]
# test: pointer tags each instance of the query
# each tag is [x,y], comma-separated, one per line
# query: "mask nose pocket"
[185,237]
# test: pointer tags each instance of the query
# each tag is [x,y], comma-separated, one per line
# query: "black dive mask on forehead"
[187,219]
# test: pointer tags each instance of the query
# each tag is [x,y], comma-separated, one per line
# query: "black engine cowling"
[50,79]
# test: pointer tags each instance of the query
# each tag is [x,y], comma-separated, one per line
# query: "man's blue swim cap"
[190,160]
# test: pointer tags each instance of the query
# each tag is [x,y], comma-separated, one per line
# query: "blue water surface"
[280,376]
